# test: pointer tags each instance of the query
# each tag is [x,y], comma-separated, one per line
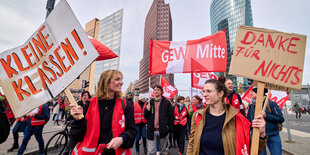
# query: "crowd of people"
[111,124]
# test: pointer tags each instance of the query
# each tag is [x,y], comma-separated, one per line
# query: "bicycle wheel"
[56,144]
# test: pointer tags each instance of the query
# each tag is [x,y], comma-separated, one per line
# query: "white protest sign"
[52,57]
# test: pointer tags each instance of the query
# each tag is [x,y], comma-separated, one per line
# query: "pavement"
[32,148]
[299,144]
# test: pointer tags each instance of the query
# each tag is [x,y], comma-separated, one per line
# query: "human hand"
[115,143]
[31,115]
[148,107]
[76,111]
[260,123]
[264,114]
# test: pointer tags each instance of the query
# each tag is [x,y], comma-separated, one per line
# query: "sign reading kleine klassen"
[269,56]
[208,54]
[52,57]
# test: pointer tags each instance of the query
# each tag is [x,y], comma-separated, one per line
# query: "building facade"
[107,31]
[302,96]
[228,15]
[158,26]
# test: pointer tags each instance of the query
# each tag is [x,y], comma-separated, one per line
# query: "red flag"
[247,96]
[103,51]
[152,92]
[280,97]
[168,90]
[208,54]
[199,79]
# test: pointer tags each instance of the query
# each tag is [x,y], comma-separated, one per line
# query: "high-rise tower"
[107,31]
[227,15]
[158,26]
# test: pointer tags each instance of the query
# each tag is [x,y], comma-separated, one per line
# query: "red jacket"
[180,118]
[139,113]
[89,145]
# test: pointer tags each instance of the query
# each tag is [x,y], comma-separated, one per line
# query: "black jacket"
[166,118]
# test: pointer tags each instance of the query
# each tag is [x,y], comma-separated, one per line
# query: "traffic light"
[85,84]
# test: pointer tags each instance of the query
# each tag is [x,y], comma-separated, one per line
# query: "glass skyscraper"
[228,15]
[109,33]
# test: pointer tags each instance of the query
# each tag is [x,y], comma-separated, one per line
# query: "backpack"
[4,125]
[278,124]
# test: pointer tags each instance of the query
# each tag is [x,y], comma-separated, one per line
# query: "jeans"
[141,132]
[274,145]
[152,144]
[29,131]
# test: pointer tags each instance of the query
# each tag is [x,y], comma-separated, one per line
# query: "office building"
[158,26]
[228,15]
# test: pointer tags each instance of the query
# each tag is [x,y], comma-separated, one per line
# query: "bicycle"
[57,143]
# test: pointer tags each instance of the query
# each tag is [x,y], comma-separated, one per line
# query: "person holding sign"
[272,116]
[108,126]
[220,129]
[233,98]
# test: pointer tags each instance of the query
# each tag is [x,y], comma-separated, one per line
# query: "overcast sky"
[191,20]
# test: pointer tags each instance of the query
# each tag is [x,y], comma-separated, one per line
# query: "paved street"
[300,130]
[302,124]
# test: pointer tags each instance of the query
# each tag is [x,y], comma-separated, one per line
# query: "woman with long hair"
[108,126]
[220,129]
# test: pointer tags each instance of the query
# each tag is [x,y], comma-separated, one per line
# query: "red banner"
[280,97]
[208,54]
[168,90]
[199,79]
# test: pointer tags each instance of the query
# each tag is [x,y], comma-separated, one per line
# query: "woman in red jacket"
[108,126]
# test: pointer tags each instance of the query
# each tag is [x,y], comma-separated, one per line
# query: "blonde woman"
[108,126]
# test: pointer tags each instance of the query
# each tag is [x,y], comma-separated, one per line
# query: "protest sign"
[208,54]
[269,56]
[52,57]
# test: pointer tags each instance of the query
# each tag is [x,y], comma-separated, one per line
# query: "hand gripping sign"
[52,57]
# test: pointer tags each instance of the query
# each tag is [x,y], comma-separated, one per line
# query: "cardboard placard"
[52,57]
[269,56]
[274,87]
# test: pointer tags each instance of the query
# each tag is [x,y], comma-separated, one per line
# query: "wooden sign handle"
[258,111]
[72,100]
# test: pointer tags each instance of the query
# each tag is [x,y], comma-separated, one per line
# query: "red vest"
[242,133]
[180,118]
[139,113]
[38,122]
[235,102]
[89,145]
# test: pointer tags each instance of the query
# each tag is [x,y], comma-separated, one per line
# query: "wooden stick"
[266,100]
[258,111]
[72,100]
[91,78]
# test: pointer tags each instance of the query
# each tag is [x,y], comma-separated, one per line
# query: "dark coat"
[166,118]
[271,118]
